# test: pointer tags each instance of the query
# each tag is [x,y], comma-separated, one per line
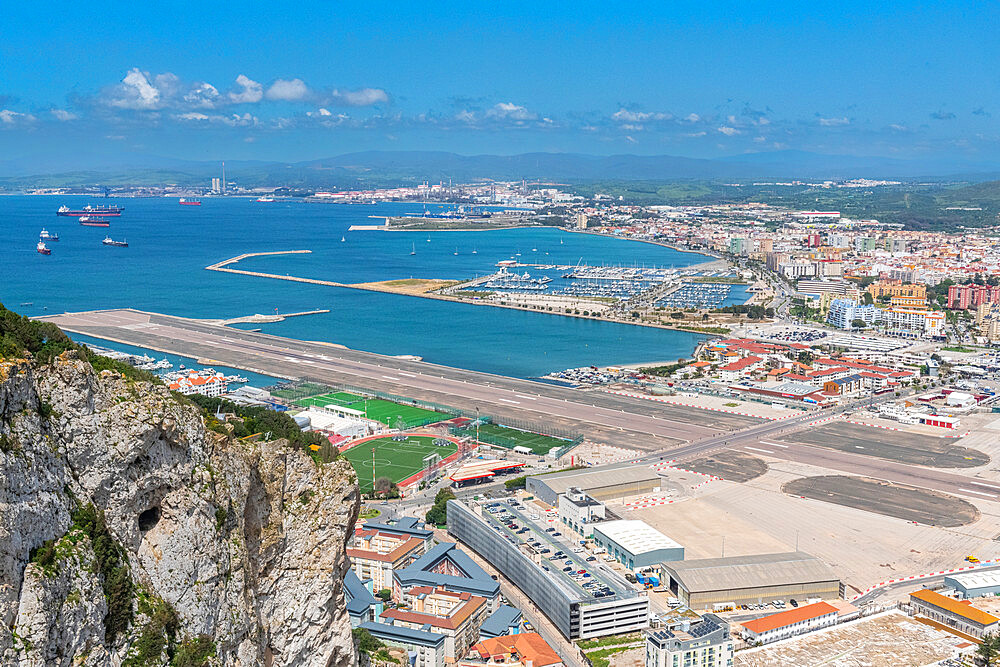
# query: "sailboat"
[560,241]
[413,251]
[342,239]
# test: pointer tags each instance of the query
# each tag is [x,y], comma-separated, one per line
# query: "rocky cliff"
[131,535]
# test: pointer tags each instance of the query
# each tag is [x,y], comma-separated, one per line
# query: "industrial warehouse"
[581,606]
[598,484]
[636,544]
[704,583]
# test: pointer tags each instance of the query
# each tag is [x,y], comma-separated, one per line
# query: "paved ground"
[903,502]
[630,422]
[732,465]
[891,445]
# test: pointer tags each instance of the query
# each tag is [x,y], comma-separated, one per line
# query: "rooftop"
[959,608]
[594,479]
[976,579]
[638,537]
[756,571]
[789,617]
[528,646]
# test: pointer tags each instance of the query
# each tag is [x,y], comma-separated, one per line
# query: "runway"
[602,417]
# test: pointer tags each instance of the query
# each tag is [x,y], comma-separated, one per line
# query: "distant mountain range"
[382,168]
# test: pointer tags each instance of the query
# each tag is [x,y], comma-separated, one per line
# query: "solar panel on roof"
[703,628]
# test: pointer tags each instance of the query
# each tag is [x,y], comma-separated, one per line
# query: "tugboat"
[118,244]
[42,248]
[46,236]
[94,221]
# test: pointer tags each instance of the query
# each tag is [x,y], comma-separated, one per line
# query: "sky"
[306,80]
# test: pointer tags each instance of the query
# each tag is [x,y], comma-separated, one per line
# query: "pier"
[223,266]
[616,420]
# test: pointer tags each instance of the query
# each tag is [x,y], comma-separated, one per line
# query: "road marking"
[773,444]
[766,451]
[530,398]
[981,493]
[407,375]
[507,400]
[988,486]
[390,377]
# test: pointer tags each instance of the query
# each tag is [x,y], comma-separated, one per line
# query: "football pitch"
[395,459]
[391,414]
[511,437]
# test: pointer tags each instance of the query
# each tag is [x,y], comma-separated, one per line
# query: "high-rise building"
[223,176]
[216,185]
[581,220]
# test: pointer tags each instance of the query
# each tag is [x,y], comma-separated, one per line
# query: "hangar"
[736,580]
[604,484]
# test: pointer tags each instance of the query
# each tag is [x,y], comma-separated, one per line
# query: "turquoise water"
[162,270]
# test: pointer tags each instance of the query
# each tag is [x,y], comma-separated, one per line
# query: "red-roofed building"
[790,623]
[736,369]
[375,554]
[457,616]
[527,649]
[206,385]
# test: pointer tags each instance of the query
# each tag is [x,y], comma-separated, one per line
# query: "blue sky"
[313,79]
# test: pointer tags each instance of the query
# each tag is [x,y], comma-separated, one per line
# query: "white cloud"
[250,91]
[630,140]
[465,116]
[288,90]
[692,118]
[203,95]
[136,92]
[8,117]
[696,134]
[63,115]
[728,131]
[362,97]
[760,139]
[833,122]
[510,111]
[232,120]
[323,112]
[626,116]
[899,128]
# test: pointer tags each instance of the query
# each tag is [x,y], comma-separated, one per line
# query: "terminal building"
[602,485]
[737,580]
[576,610]
[636,544]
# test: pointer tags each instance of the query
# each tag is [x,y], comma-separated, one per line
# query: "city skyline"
[703,82]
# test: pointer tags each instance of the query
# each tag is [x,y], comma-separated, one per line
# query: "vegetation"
[612,640]
[254,419]
[112,566]
[385,594]
[438,513]
[602,658]
[45,341]
[159,634]
[989,649]
[664,371]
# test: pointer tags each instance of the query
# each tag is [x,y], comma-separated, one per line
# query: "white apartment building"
[704,643]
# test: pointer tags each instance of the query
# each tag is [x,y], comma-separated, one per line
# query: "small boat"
[265,200]
[27,303]
[456,251]
[46,236]
[94,221]
[42,248]
[118,244]
[560,242]
[343,239]
[534,250]
[190,202]
[414,250]
[428,239]
[475,252]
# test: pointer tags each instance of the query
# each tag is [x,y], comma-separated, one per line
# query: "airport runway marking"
[755,449]
[988,486]
[980,493]
[773,444]
[507,400]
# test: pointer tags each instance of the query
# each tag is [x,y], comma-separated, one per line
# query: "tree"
[859,324]
[806,357]
[385,594]
[989,649]
[366,642]
[383,485]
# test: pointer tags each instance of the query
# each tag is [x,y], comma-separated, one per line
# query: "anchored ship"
[105,211]
[93,221]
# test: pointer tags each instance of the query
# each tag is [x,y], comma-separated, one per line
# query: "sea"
[169,246]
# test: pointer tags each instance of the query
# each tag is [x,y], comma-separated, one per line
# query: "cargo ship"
[265,200]
[105,211]
[93,221]
[42,248]
[46,236]
[118,244]
[190,202]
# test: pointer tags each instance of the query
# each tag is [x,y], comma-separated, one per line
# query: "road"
[618,420]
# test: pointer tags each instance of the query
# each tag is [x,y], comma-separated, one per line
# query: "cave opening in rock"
[149,518]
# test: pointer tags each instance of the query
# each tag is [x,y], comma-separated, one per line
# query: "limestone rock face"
[245,542]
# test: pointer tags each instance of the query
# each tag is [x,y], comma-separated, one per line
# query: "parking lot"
[580,572]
